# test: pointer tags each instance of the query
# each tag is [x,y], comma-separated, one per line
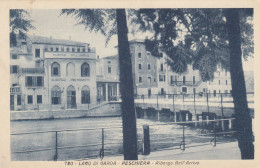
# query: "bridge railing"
[208,132]
[97,143]
[220,100]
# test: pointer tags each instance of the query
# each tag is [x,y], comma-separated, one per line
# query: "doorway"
[11,102]
[71,98]
[149,93]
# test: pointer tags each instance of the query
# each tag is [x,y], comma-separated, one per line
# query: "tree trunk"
[243,121]
[127,89]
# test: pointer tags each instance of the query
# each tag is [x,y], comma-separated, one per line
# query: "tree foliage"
[97,20]
[19,25]
[192,36]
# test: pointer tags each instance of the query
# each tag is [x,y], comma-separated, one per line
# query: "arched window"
[85,95]
[139,55]
[70,69]
[85,70]
[55,69]
[56,95]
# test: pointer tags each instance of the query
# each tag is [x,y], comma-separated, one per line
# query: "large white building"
[50,73]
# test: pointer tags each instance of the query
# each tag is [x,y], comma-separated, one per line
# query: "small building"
[108,79]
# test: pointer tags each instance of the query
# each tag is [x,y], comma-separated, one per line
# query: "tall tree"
[205,38]
[110,22]
[243,122]
[19,25]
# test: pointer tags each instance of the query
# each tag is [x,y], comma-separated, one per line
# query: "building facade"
[152,75]
[52,74]
[221,82]
[144,67]
[107,79]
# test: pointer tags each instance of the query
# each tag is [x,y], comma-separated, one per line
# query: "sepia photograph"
[143,84]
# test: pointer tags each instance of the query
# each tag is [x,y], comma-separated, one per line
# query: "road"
[78,144]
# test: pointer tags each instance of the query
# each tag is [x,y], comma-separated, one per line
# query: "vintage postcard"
[140,84]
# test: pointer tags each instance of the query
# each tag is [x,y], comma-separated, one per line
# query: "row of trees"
[201,37]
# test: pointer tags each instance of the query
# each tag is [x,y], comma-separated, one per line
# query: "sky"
[49,23]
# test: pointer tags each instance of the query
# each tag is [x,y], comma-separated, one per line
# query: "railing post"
[146,140]
[222,111]
[56,146]
[215,136]
[102,152]
[175,117]
[182,145]
[208,102]
[194,100]
[157,103]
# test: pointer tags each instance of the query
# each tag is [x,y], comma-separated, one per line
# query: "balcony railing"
[185,83]
[15,90]
[32,70]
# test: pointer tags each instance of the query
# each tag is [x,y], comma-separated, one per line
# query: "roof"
[45,40]
[134,41]
[111,57]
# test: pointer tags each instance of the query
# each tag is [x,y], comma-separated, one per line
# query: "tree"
[243,122]
[19,25]
[205,38]
[110,22]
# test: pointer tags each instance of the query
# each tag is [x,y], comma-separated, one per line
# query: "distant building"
[152,75]
[144,67]
[221,82]
[188,82]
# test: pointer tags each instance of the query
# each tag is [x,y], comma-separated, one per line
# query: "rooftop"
[135,41]
[111,57]
[45,40]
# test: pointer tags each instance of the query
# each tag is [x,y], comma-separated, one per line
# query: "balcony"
[32,70]
[184,83]
[15,90]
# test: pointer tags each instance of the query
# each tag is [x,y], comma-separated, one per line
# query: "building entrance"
[71,98]
[11,102]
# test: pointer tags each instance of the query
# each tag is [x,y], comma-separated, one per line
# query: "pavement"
[224,151]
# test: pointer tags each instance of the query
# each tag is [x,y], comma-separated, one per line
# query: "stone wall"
[108,109]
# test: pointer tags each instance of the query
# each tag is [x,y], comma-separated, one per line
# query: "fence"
[220,102]
[100,142]
[60,144]
[211,132]
[197,97]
